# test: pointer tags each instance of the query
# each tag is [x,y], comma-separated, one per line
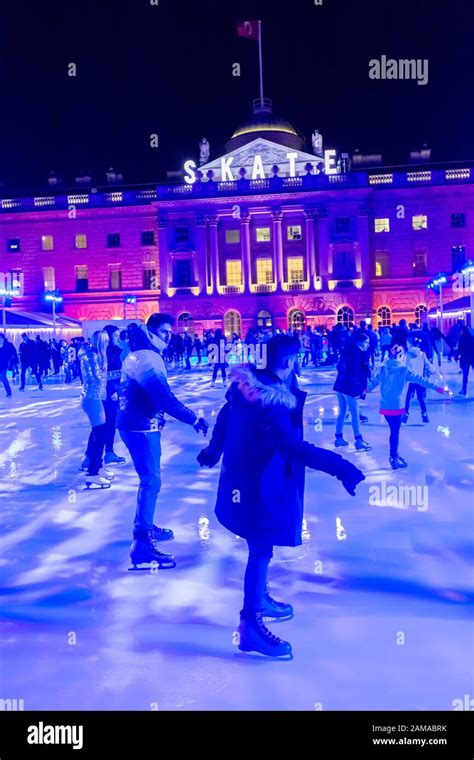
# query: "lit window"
[295,269]
[232,323]
[345,315]
[115,277]
[47,243]
[264,271]
[419,262]
[343,224]
[419,222]
[233,270]
[382,264]
[80,241]
[82,278]
[294,232]
[382,225]
[182,234]
[150,281]
[385,316]
[263,235]
[49,279]
[113,240]
[458,220]
[232,236]
[420,314]
[13,245]
[148,237]
[296,320]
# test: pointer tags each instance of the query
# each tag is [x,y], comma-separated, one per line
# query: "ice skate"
[254,636]
[404,418]
[95,482]
[84,466]
[398,463]
[362,445]
[340,441]
[213,385]
[112,458]
[272,608]
[105,473]
[425,417]
[363,419]
[162,534]
[144,552]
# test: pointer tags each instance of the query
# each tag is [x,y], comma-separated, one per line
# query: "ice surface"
[382,591]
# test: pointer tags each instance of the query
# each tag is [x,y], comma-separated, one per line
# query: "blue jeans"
[255,581]
[145,451]
[347,402]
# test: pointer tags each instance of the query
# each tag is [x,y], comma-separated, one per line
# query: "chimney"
[421,156]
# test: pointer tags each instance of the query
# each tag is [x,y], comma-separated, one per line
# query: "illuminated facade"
[265,234]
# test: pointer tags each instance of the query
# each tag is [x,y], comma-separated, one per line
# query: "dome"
[264,123]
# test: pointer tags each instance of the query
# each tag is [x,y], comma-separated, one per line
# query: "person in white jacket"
[419,363]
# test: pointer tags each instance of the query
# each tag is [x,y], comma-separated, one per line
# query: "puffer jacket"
[94,379]
[393,378]
[419,363]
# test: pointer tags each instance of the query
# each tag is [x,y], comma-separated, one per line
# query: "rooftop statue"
[204,149]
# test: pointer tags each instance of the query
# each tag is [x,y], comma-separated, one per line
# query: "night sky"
[167,69]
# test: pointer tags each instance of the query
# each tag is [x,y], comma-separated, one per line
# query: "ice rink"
[382,585]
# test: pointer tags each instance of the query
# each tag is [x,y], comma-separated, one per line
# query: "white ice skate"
[93,482]
[105,473]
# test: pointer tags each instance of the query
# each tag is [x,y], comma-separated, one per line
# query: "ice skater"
[466,356]
[259,431]
[114,365]
[6,356]
[144,398]
[419,363]
[29,358]
[394,377]
[353,373]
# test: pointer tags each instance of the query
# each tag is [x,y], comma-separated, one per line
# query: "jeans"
[111,409]
[216,369]
[35,373]
[345,403]
[255,581]
[145,451]
[465,376]
[394,423]
[420,394]
[6,384]
[438,350]
[95,449]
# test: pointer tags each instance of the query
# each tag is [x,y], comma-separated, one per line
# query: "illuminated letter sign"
[226,173]
[258,170]
[292,159]
[330,166]
[190,177]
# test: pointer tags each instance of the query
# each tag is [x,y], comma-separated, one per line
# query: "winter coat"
[144,393]
[94,379]
[7,356]
[394,377]
[29,356]
[466,348]
[418,362]
[114,365]
[353,371]
[260,433]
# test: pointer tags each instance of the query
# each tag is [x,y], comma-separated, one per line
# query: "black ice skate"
[425,417]
[274,609]
[162,534]
[398,463]
[254,636]
[144,551]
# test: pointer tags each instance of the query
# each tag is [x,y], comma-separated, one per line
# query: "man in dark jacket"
[144,398]
[29,358]
[114,365]
[6,357]
[466,355]
[259,431]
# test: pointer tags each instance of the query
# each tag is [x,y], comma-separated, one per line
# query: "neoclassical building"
[266,233]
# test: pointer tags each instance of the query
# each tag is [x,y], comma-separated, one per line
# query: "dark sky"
[167,69]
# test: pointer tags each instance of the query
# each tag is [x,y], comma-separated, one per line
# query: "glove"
[208,457]
[201,425]
[351,477]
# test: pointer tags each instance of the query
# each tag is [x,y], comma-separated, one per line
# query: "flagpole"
[260,60]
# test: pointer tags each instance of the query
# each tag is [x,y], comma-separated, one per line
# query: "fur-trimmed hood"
[251,384]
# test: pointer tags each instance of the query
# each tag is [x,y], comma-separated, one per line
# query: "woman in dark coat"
[353,373]
[466,355]
[261,488]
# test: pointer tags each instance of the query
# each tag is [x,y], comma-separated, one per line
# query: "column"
[310,249]
[245,251]
[323,244]
[363,247]
[214,251]
[278,248]
[163,255]
[201,254]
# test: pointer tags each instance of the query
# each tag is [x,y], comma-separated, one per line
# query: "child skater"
[420,364]
[260,496]
[393,378]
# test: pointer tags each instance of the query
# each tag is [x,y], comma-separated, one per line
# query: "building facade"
[266,234]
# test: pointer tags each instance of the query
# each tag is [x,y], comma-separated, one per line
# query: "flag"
[249,29]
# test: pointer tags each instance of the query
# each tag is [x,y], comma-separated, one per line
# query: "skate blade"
[149,566]
[258,655]
[95,487]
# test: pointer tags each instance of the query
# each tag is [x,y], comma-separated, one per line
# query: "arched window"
[264,318]
[420,314]
[345,315]
[385,316]
[185,322]
[296,320]
[232,323]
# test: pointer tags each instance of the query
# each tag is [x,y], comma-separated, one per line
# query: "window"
[233,271]
[183,273]
[345,315]
[419,263]
[382,264]
[264,318]
[80,241]
[458,257]
[47,243]
[185,322]
[382,225]
[264,271]
[263,234]
[343,224]
[458,220]
[16,279]
[294,232]
[49,279]
[115,277]
[13,245]
[296,320]
[420,314]
[295,269]
[113,240]
[148,237]
[419,222]
[82,278]
[232,323]
[385,316]
[232,236]
[150,281]
[344,264]
[182,234]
